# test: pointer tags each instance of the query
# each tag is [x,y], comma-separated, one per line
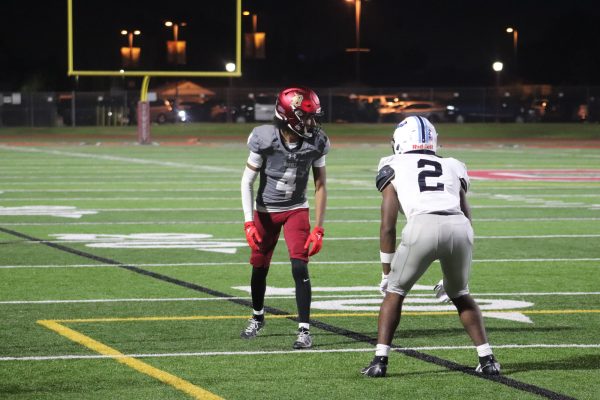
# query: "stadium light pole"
[176,48]
[497,66]
[357,50]
[175,26]
[130,35]
[229,67]
[515,36]
[254,20]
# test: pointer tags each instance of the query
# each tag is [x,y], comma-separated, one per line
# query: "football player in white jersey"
[283,154]
[431,192]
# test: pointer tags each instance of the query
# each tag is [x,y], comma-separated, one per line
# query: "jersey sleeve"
[323,144]
[385,173]
[255,160]
[461,171]
[384,176]
[320,162]
[383,161]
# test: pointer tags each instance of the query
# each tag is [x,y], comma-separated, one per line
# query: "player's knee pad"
[299,270]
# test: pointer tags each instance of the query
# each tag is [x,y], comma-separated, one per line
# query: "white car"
[264,108]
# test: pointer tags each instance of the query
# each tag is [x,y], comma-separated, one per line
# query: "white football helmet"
[414,133]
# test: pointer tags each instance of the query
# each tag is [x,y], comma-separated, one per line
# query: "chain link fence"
[525,103]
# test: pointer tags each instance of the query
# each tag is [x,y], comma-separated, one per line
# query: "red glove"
[316,238]
[252,235]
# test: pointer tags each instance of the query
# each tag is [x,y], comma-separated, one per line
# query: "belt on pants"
[444,213]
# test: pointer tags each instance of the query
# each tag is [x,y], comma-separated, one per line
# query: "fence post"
[31,116]
[73,108]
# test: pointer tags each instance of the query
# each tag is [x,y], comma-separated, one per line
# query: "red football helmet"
[298,107]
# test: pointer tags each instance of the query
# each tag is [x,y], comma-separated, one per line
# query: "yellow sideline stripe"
[323,315]
[178,383]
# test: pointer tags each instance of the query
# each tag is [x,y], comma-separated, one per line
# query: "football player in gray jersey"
[282,154]
[431,192]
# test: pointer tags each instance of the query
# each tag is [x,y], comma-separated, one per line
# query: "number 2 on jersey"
[287,183]
[435,173]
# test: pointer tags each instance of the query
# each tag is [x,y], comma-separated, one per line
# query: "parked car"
[431,110]
[508,110]
[380,100]
[264,108]
[162,111]
[211,110]
[558,109]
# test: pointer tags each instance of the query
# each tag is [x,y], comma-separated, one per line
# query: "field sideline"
[124,270]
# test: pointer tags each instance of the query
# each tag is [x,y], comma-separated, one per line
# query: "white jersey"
[425,183]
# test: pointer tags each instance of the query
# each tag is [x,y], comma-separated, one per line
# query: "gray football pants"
[430,237]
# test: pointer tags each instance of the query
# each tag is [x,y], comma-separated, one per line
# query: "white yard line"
[295,352]
[230,264]
[237,221]
[476,237]
[236,190]
[363,238]
[127,160]
[336,296]
[235,197]
[138,182]
[116,190]
[334,208]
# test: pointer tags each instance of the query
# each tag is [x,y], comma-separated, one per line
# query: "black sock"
[258,285]
[259,318]
[303,289]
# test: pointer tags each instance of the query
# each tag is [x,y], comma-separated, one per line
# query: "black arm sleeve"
[384,176]
[463,184]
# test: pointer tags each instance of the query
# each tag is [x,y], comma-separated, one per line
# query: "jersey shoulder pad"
[325,144]
[384,161]
[262,138]
[384,176]
[321,143]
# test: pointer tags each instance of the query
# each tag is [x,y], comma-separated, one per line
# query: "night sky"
[413,43]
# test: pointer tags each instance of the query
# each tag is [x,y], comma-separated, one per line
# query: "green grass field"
[124,271]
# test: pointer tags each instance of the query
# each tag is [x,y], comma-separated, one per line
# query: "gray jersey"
[284,172]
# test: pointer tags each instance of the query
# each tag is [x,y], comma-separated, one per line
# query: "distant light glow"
[497,66]
[230,67]
[509,30]
[168,23]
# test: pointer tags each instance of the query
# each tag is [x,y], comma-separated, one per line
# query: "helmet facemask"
[306,124]
[299,109]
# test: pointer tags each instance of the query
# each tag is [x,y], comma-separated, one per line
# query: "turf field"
[124,275]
